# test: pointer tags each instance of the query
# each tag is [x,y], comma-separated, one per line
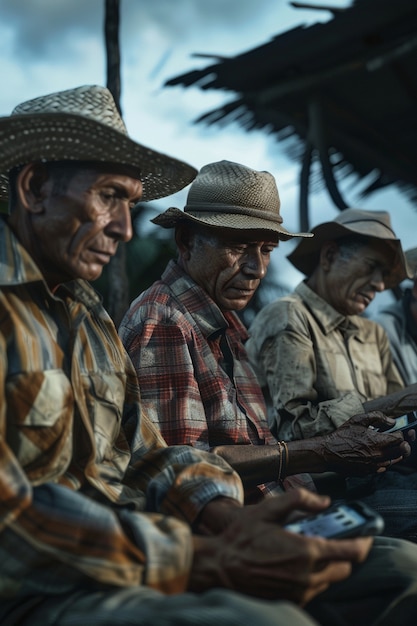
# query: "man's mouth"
[367,297]
[103,256]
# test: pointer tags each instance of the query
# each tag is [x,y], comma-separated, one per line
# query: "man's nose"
[378,280]
[120,226]
[255,264]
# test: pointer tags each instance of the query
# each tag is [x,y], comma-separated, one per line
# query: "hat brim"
[306,255]
[26,138]
[172,216]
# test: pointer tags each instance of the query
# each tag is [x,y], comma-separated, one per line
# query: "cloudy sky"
[49,45]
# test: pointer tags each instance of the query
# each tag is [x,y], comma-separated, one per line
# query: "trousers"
[382,591]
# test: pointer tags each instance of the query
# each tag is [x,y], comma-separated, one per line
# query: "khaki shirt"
[317,365]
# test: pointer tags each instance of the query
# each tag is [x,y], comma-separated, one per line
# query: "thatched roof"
[345,90]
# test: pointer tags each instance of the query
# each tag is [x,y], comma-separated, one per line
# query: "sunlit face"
[355,276]
[230,264]
[77,230]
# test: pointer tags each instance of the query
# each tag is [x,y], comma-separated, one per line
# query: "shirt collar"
[325,314]
[18,268]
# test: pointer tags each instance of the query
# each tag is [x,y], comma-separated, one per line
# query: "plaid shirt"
[87,484]
[173,333]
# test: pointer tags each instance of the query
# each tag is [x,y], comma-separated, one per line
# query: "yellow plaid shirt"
[90,494]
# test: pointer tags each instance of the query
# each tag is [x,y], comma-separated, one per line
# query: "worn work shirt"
[318,365]
[87,484]
[401,329]
[196,381]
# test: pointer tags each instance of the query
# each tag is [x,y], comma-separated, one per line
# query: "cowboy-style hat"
[374,224]
[229,195]
[83,124]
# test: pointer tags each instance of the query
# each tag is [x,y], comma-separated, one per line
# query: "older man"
[337,362]
[101,523]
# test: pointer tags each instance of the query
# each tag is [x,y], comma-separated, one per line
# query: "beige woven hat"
[229,195]
[83,124]
[305,256]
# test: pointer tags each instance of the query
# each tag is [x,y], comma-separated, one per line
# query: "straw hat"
[229,195]
[83,124]
[376,224]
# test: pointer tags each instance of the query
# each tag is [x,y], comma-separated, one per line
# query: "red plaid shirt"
[172,332]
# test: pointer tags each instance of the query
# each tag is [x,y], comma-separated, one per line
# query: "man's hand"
[255,556]
[357,447]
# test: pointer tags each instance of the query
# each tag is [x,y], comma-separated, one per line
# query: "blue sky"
[49,45]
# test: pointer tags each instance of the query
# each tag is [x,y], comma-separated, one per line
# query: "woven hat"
[229,195]
[83,124]
[376,224]
[411,258]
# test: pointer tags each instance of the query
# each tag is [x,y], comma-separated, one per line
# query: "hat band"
[356,221]
[231,209]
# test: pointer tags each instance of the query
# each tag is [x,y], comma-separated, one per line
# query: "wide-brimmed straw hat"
[83,124]
[230,195]
[374,224]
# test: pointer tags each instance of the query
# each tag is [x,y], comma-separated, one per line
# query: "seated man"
[101,522]
[400,322]
[337,362]
[186,341]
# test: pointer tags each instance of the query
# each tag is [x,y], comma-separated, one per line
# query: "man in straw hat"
[101,522]
[400,322]
[338,363]
[187,342]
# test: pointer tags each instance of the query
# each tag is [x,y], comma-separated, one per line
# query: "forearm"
[254,464]
[396,403]
[83,541]
[261,464]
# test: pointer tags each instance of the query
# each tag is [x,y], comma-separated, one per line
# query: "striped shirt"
[90,494]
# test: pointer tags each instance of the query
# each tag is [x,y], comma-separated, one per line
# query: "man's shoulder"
[156,303]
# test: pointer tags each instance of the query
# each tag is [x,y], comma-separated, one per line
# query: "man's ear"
[29,186]
[183,239]
[328,254]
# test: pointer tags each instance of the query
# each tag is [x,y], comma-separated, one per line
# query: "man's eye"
[108,195]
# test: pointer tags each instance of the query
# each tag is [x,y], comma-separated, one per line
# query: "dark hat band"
[238,210]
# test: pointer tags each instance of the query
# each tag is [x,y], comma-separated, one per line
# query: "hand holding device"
[349,519]
[404,422]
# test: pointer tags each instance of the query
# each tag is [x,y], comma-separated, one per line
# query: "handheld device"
[404,422]
[340,521]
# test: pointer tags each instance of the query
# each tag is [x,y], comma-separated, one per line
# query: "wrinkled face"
[78,226]
[355,275]
[229,264]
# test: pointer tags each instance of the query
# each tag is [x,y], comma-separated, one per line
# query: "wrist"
[306,455]
[216,516]
[206,564]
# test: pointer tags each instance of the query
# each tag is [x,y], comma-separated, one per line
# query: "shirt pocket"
[105,395]
[39,420]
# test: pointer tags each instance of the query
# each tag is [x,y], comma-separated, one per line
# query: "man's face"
[230,264]
[79,226]
[355,276]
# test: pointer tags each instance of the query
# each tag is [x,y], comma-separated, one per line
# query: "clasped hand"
[254,555]
[361,447]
